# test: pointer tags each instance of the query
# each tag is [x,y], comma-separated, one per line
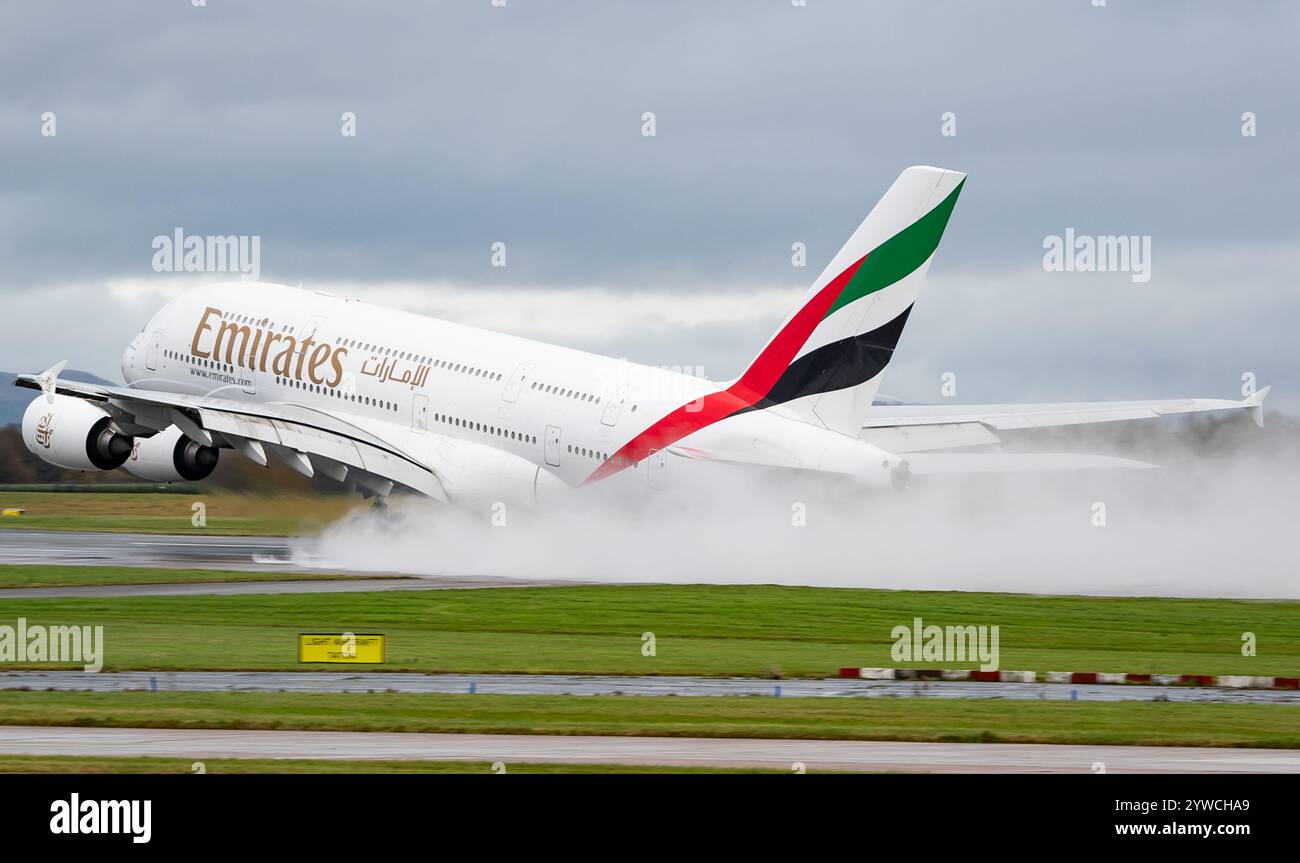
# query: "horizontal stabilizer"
[908,428]
[933,464]
[1255,405]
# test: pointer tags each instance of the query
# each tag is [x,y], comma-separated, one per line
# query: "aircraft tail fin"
[826,361]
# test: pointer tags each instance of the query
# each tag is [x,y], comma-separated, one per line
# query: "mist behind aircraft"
[1218,519]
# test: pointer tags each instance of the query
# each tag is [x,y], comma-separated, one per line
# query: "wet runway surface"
[251,554]
[556,684]
[146,549]
[792,755]
[231,588]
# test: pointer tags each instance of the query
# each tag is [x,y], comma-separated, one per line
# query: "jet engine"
[74,433]
[170,456]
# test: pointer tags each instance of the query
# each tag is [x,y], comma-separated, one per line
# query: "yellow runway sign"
[340,647]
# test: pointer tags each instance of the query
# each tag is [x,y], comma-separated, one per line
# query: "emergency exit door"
[553,446]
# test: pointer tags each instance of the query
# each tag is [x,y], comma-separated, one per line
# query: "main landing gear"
[901,476]
[379,502]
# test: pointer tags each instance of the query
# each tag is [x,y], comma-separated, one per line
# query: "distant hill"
[14,400]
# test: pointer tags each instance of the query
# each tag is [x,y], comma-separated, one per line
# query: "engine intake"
[75,434]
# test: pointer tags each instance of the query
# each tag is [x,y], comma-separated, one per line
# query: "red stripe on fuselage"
[748,390]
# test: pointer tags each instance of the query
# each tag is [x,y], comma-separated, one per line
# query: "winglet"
[49,380]
[1255,405]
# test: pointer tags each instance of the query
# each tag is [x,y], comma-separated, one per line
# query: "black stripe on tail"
[838,365]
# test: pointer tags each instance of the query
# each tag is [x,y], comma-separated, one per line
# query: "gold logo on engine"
[45,430]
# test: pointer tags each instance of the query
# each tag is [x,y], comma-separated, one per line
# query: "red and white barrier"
[1233,681]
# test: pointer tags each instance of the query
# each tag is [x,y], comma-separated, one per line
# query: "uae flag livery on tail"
[825,363]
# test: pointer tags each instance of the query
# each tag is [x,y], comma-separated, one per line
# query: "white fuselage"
[412,380]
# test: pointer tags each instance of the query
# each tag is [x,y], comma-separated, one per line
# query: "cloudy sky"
[774,124]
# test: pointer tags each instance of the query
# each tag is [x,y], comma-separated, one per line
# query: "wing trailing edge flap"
[333,454]
[309,450]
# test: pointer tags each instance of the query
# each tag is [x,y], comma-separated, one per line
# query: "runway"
[90,548]
[232,588]
[813,755]
[557,684]
[248,554]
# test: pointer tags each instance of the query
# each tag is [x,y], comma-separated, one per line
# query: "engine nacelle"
[73,433]
[170,456]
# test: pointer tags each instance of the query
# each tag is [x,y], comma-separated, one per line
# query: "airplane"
[380,399]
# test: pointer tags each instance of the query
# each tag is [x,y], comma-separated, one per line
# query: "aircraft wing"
[306,439]
[918,428]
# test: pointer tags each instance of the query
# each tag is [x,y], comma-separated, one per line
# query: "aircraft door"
[613,407]
[302,333]
[420,414]
[553,446]
[309,329]
[523,374]
[155,348]
[657,468]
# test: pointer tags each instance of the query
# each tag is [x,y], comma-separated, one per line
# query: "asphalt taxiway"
[812,755]
[560,684]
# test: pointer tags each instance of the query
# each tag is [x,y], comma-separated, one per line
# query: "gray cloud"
[775,124]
